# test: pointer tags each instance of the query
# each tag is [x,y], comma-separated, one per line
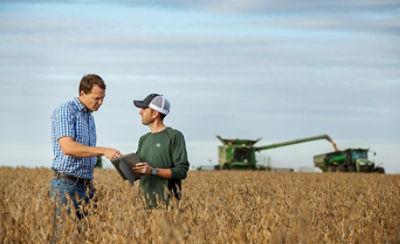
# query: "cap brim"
[140,104]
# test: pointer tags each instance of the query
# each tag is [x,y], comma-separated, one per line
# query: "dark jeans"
[79,194]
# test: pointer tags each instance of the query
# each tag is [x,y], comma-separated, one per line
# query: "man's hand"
[111,153]
[142,168]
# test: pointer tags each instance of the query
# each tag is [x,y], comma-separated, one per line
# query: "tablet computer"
[124,167]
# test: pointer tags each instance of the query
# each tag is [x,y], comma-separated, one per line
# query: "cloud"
[257,6]
[245,69]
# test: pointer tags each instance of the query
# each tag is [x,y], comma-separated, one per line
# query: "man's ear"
[155,113]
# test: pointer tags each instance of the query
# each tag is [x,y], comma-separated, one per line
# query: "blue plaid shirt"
[74,120]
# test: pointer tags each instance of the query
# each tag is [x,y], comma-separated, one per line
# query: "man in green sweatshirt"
[162,154]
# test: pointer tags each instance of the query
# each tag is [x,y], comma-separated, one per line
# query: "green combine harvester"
[241,154]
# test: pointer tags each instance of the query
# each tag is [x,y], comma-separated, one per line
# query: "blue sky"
[279,70]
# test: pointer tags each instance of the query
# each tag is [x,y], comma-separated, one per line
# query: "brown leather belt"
[81,181]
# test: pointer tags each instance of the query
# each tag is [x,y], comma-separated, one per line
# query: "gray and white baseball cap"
[154,101]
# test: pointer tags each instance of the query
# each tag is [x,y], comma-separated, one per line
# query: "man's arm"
[146,169]
[75,149]
[179,157]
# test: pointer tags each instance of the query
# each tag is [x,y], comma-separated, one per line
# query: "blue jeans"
[79,194]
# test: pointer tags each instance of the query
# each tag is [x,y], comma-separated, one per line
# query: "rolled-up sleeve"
[179,157]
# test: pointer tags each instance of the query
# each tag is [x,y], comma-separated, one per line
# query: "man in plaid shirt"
[74,144]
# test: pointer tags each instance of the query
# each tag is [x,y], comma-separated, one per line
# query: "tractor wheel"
[332,168]
[342,168]
[379,170]
[351,168]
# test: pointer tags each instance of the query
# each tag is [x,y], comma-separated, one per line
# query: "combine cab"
[349,160]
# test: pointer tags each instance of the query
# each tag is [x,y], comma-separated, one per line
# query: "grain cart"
[349,160]
[240,153]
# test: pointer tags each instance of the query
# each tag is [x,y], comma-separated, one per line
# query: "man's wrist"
[154,171]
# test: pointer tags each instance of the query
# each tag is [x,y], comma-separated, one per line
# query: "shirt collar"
[80,105]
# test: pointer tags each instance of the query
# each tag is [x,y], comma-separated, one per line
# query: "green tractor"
[349,160]
[240,153]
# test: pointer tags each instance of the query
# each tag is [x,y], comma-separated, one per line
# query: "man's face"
[148,115]
[94,99]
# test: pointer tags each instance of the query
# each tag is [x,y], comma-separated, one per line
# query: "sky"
[279,70]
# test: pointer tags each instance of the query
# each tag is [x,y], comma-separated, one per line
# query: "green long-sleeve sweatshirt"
[164,149]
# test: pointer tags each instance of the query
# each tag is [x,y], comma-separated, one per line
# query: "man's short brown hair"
[88,81]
